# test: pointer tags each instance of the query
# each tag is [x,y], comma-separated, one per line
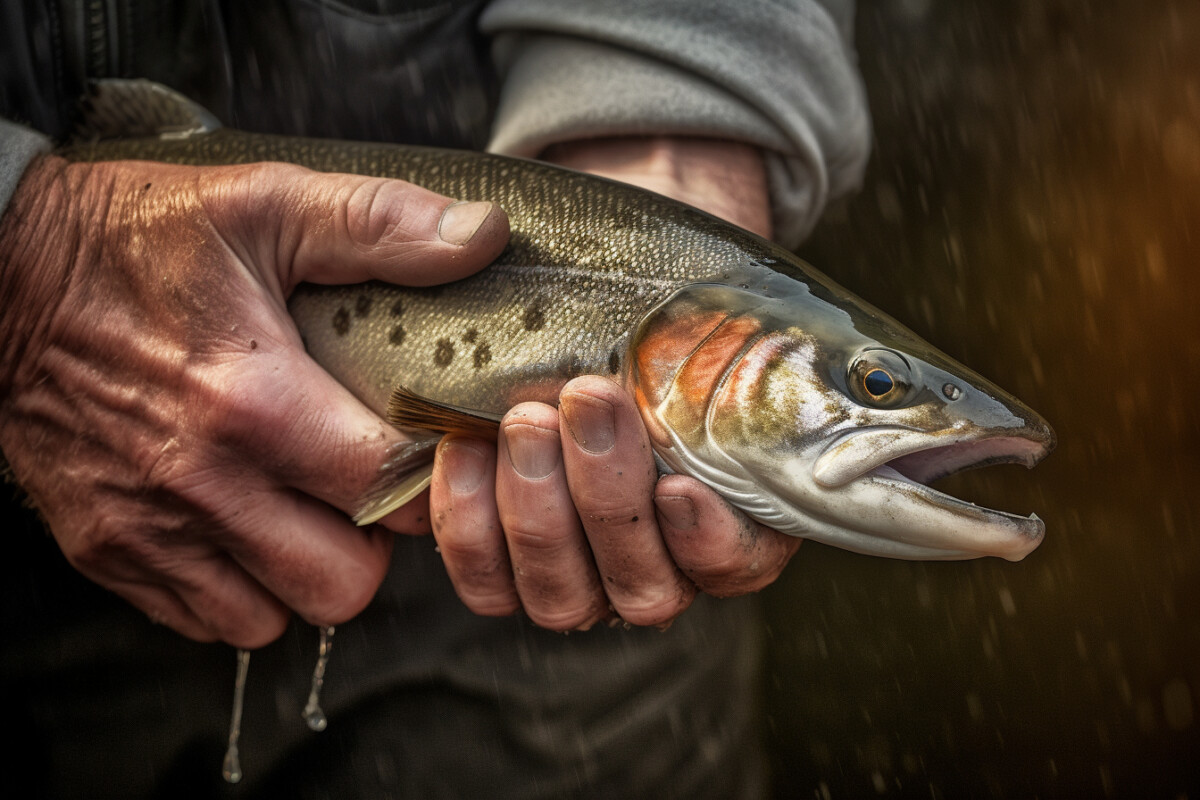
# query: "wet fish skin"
[746,363]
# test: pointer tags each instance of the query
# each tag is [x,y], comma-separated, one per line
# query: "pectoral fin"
[409,470]
[404,476]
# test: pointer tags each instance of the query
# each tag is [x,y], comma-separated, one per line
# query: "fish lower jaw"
[998,533]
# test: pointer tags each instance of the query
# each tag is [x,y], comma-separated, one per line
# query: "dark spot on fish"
[483,355]
[341,321]
[535,318]
[397,335]
[362,306]
[444,353]
[471,336]
[397,308]
[614,363]
[253,345]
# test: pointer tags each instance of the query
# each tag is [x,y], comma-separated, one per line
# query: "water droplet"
[313,715]
[231,769]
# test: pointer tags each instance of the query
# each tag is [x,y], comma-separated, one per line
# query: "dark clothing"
[379,70]
[424,699]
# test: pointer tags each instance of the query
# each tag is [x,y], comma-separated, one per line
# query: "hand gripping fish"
[802,405]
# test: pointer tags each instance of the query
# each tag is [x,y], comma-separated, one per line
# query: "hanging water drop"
[232,767]
[314,717]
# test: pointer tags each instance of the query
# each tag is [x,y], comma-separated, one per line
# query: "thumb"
[334,228]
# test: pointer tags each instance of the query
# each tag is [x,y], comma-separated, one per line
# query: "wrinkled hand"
[568,520]
[155,399]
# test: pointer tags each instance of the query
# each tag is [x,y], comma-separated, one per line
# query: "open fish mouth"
[898,464]
[923,467]
[939,461]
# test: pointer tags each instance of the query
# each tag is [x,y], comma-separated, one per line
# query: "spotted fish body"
[752,371]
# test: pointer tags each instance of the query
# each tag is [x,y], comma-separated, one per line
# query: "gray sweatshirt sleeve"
[18,147]
[778,75]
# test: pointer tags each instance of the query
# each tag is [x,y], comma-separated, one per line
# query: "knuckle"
[263,629]
[536,536]
[654,606]
[473,555]
[489,603]
[570,618]
[375,206]
[608,511]
[109,538]
[244,408]
[345,600]
[742,572]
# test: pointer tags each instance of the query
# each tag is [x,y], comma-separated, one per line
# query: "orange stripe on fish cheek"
[685,408]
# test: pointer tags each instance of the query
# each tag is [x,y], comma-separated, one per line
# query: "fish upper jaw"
[925,456]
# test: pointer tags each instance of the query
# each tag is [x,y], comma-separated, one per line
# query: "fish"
[807,408]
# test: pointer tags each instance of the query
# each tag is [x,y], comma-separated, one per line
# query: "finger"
[337,228]
[175,574]
[466,526]
[552,565]
[411,519]
[721,549]
[211,600]
[611,474]
[163,607]
[303,552]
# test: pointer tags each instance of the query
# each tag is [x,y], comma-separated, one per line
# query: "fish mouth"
[918,470]
[904,462]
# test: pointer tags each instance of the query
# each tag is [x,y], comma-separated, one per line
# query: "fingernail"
[678,512]
[533,452]
[464,466]
[590,421]
[461,220]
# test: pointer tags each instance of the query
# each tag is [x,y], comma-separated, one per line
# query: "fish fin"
[117,108]
[403,476]
[409,469]
[411,411]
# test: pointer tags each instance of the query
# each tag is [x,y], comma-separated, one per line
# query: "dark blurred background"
[1033,208]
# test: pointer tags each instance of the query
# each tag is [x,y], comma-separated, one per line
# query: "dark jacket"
[401,70]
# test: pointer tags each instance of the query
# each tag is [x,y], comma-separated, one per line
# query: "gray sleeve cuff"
[780,76]
[18,147]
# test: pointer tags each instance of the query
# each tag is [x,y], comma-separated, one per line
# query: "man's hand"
[155,399]
[569,520]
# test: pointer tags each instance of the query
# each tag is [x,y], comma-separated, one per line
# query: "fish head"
[823,418]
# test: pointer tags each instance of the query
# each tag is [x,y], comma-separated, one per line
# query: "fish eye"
[878,383]
[880,379]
